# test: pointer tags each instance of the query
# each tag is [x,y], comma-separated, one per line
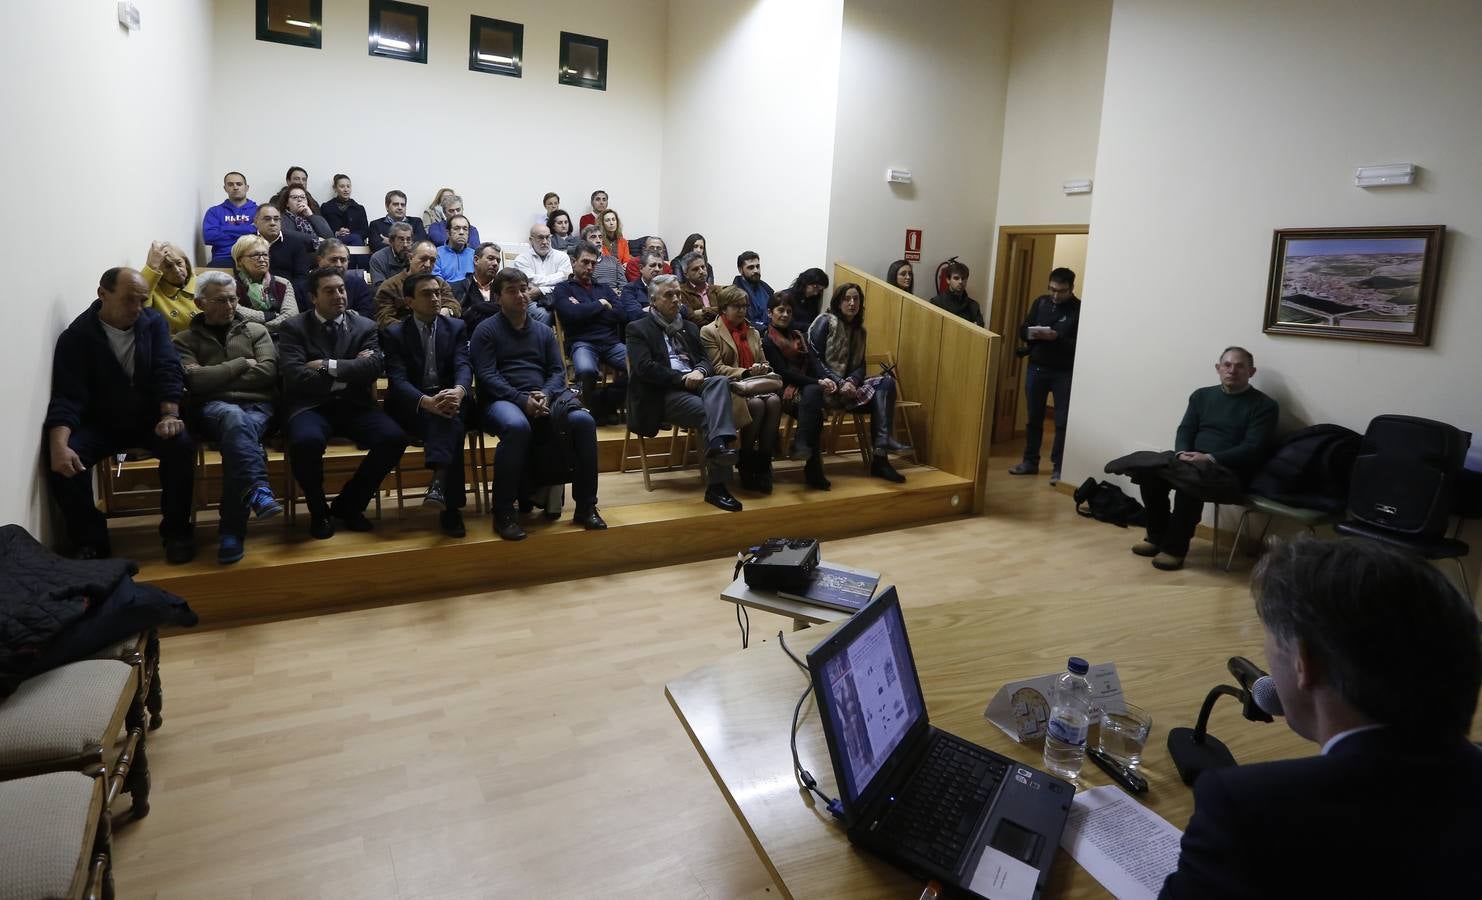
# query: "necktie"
[332,331]
[429,370]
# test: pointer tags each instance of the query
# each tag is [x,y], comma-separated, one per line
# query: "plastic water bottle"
[1070,720]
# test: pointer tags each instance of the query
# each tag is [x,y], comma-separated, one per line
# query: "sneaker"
[1168,562]
[1145,548]
[434,498]
[229,550]
[1025,468]
[1054,477]
[263,504]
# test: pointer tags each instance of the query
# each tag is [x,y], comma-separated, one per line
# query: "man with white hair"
[545,268]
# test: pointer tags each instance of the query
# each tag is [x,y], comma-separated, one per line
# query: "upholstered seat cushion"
[47,827]
[1309,518]
[62,717]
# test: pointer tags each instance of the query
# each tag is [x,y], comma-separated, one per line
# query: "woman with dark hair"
[805,384]
[807,294]
[901,275]
[695,243]
[613,242]
[837,338]
[559,222]
[299,216]
[295,177]
[344,215]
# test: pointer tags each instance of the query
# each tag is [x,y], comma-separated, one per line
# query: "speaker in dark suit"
[330,358]
[427,391]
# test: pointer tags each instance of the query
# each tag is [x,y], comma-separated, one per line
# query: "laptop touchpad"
[1016,841]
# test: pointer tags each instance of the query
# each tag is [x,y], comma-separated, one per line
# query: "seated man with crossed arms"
[593,319]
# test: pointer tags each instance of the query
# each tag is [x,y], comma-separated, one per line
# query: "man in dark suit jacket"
[1376,658]
[289,253]
[330,359]
[427,390]
[359,296]
[672,381]
[116,384]
[396,211]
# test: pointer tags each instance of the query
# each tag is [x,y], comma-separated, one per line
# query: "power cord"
[804,776]
[743,618]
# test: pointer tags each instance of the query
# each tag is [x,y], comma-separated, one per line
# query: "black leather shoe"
[451,522]
[881,468]
[719,454]
[355,521]
[507,526]
[813,474]
[718,496]
[179,550]
[589,519]
[321,528]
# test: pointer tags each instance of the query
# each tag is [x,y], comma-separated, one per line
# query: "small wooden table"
[1170,646]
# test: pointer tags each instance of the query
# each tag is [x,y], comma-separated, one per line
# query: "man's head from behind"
[1235,367]
[123,293]
[269,222]
[749,264]
[1360,632]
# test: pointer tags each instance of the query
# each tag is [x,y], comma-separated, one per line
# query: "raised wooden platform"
[288,573]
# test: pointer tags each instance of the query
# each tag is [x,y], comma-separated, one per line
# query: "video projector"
[781,564]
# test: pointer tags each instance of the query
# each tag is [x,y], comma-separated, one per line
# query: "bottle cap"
[1077,666]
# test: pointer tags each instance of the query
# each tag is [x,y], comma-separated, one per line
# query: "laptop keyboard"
[937,811]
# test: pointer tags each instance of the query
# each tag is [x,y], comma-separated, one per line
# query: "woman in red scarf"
[735,350]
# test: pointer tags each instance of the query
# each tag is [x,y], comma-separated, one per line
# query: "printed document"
[1127,847]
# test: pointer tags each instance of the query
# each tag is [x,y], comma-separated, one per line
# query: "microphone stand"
[1194,749]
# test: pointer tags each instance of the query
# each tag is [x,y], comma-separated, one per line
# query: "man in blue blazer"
[429,378]
[330,358]
[1376,659]
[116,384]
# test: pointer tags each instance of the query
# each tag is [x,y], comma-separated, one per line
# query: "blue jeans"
[1039,383]
[586,357]
[540,314]
[509,423]
[238,428]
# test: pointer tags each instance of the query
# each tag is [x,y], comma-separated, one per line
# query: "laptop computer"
[939,806]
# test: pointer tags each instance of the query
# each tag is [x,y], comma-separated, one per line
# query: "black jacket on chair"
[651,376]
[406,358]
[303,339]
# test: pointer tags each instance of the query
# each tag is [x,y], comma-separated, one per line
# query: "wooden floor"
[517,743]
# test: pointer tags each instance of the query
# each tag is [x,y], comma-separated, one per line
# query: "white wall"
[103,121]
[501,142]
[1225,121]
[922,91]
[749,131]
[1070,253]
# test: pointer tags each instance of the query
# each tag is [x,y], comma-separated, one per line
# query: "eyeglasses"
[222,298]
[258,255]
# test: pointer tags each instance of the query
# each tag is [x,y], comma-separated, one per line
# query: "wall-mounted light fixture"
[1383,176]
[1078,186]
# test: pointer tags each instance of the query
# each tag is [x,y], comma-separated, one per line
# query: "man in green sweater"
[1229,425]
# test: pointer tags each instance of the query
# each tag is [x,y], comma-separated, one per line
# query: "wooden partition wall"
[946,364]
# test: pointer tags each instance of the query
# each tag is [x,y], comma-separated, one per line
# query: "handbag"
[757,385]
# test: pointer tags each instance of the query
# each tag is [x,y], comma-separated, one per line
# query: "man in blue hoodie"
[758,292]
[228,220]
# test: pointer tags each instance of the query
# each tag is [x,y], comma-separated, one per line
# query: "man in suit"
[593,319]
[429,378]
[672,381]
[289,253]
[1376,659]
[522,380]
[116,383]
[333,253]
[331,358]
[396,211]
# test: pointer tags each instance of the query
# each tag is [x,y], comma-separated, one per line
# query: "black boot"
[880,467]
[764,471]
[746,470]
[882,420]
[813,473]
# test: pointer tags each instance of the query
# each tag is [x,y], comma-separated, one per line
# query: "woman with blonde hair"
[261,296]
[434,212]
[613,242]
[172,284]
[735,351]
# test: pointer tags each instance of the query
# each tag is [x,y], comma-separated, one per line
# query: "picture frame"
[496,46]
[398,31]
[1357,284]
[299,23]
[583,61]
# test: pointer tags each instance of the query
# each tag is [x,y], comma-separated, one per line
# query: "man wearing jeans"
[231,373]
[593,319]
[1050,331]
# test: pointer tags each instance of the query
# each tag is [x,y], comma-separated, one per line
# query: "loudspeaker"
[1405,477]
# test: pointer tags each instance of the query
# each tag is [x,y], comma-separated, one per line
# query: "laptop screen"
[872,697]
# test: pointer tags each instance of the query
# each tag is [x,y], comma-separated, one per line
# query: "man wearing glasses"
[231,373]
[545,268]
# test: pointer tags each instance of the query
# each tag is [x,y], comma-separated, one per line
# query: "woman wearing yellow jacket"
[172,285]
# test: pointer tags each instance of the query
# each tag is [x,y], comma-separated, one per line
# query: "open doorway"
[1026,255]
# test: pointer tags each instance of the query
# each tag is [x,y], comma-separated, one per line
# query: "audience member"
[607,271]
[651,244]
[231,377]
[696,289]
[437,232]
[262,297]
[546,268]
[549,204]
[172,286]
[476,293]
[396,211]
[695,243]
[428,378]
[672,381]
[805,385]
[229,219]
[359,296]
[345,216]
[392,259]
[599,206]
[391,298]
[1050,331]
[613,242]
[436,211]
[901,275]
[295,177]
[635,292]
[735,351]
[1375,659]
[837,338]
[522,384]
[562,236]
[302,217]
[593,320]
[758,292]
[955,299]
[455,258]
[116,383]
[331,358]
[1224,436]
[807,290]
[288,254]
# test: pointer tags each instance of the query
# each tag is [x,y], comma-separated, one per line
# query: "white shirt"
[331,365]
[122,342]
[1333,741]
[545,273]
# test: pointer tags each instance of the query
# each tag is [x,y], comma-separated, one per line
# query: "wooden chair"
[675,449]
[56,837]
[143,500]
[901,421]
[474,460]
[290,495]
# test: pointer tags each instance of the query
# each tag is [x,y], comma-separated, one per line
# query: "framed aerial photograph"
[583,61]
[1357,284]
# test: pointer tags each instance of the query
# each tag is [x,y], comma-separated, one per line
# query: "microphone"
[1247,674]
[1195,750]
[1263,691]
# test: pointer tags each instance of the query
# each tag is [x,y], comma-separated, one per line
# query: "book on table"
[836,587]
